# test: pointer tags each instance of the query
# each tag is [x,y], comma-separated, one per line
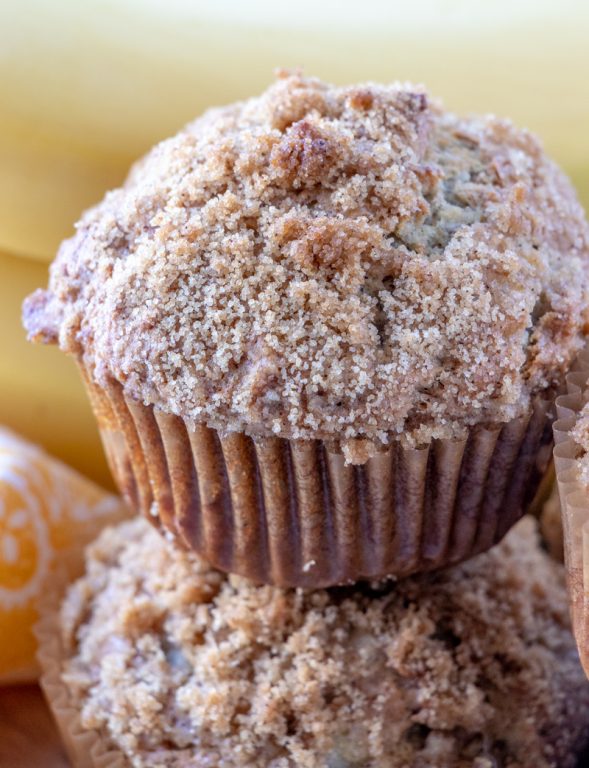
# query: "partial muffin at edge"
[571,462]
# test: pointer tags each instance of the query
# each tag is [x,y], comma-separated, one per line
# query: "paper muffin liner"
[292,513]
[574,501]
[85,748]
[550,519]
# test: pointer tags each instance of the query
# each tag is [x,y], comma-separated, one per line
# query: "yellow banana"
[87,86]
[41,394]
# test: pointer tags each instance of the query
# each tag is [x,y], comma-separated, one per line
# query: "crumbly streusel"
[178,665]
[580,434]
[329,262]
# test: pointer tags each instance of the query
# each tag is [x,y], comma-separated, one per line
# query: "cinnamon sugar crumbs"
[580,434]
[178,665]
[343,263]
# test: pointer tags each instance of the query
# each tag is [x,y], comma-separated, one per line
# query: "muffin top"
[351,264]
[178,665]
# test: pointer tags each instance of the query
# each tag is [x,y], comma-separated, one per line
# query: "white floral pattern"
[40,483]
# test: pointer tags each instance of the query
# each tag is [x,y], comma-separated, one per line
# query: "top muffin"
[352,264]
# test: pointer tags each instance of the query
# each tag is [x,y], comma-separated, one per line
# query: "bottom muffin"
[175,665]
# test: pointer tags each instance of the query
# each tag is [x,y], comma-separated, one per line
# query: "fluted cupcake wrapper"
[293,513]
[574,501]
[85,748]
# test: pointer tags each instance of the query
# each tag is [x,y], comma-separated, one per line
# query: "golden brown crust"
[343,263]
[179,665]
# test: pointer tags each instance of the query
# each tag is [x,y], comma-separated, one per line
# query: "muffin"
[571,460]
[322,330]
[162,661]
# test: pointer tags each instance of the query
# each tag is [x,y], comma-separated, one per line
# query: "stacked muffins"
[322,331]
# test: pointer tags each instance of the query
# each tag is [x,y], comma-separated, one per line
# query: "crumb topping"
[580,434]
[336,263]
[179,665]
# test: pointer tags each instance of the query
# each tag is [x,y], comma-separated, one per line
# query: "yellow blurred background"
[88,85]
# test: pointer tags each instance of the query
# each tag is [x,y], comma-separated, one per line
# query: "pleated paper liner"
[85,748]
[574,500]
[292,513]
[550,520]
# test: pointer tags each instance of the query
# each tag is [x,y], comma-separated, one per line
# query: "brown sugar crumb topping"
[580,434]
[344,263]
[177,665]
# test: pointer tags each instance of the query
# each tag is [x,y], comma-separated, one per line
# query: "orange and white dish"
[48,513]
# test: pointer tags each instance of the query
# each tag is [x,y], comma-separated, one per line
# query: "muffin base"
[574,502]
[292,513]
[148,580]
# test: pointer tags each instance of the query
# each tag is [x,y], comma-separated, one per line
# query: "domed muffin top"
[353,264]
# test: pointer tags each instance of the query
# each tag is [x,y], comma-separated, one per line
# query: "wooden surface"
[28,738]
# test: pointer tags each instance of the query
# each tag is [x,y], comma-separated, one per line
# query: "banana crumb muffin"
[342,263]
[322,330]
[176,664]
